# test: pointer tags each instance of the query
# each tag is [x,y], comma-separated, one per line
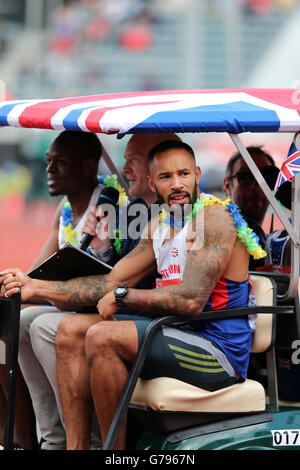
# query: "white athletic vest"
[78,227]
[170,256]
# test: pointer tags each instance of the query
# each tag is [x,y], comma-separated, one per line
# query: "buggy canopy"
[210,110]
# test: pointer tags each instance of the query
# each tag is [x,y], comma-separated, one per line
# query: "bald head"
[136,166]
[145,142]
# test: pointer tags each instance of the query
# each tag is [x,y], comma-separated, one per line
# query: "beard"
[183,208]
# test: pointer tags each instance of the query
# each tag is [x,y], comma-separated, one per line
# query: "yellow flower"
[258,253]
[123,198]
[70,234]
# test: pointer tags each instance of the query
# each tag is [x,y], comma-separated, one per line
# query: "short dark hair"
[88,143]
[252,150]
[169,145]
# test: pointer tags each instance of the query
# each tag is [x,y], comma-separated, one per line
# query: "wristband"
[103,254]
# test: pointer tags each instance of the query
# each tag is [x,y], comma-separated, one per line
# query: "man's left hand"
[107,307]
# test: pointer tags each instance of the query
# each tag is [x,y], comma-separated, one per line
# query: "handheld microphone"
[108,195]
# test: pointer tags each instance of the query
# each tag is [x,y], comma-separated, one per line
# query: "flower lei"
[67,213]
[112,181]
[244,232]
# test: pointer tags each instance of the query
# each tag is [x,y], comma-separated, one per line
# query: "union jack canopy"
[209,110]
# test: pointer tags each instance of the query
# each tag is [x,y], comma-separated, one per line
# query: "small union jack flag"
[174,252]
[290,166]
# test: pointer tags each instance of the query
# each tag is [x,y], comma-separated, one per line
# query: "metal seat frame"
[9,327]
[148,336]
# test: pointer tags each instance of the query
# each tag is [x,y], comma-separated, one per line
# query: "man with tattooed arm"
[202,255]
[39,323]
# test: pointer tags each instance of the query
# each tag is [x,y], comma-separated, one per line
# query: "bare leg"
[73,378]
[111,347]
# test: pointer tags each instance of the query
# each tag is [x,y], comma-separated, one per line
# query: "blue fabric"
[5,110]
[70,122]
[233,335]
[235,117]
[276,250]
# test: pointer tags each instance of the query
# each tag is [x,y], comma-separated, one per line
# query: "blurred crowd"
[129,23]
[93,34]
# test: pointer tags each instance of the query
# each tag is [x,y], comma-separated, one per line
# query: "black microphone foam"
[108,195]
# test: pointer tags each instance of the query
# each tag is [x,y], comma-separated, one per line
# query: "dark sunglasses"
[245,178]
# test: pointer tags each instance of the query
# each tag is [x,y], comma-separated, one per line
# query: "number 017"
[290,437]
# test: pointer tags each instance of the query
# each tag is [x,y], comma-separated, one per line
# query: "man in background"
[241,186]
[72,169]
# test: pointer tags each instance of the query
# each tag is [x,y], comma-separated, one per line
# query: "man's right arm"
[66,295]
[82,291]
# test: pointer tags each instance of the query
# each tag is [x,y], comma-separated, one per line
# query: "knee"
[70,335]
[98,339]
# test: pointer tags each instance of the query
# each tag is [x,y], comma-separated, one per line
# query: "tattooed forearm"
[87,291]
[171,300]
[78,292]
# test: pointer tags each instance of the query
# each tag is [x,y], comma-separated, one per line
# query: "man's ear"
[89,165]
[151,184]
[227,187]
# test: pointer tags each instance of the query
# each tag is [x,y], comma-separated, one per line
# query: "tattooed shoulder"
[212,226]
[218,224]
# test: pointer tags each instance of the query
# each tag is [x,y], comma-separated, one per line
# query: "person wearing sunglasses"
[241,186]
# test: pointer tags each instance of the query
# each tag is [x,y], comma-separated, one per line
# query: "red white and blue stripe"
[222,110]
[290,167]
[233,335]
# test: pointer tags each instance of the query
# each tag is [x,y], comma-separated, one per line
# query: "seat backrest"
[164,393]
[263,337]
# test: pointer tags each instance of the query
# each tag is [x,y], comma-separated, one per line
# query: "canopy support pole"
[111,166]
[293,230]
[295,255]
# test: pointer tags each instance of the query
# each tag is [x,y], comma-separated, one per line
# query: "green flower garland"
[245,233]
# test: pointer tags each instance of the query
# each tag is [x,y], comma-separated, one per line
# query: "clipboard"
[67,263]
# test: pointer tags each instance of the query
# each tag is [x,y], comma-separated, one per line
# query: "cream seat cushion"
[168,394]
[263,289]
